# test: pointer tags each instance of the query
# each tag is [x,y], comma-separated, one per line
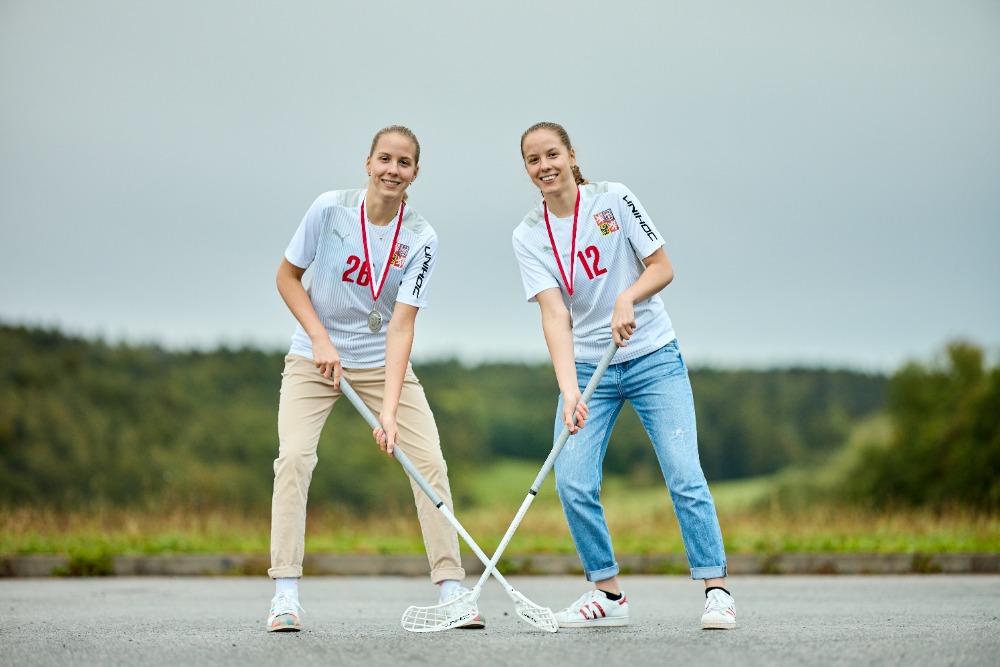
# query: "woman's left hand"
[622,321]
[386,436]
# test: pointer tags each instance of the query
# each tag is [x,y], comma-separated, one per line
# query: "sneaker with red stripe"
[720,611]
[593,610]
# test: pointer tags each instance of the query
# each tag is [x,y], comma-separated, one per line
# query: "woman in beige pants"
[372,257]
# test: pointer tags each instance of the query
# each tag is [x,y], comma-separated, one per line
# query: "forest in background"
[85,424]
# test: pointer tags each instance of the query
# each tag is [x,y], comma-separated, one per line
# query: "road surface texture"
[783,620]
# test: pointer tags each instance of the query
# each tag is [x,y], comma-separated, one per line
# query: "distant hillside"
[83,422]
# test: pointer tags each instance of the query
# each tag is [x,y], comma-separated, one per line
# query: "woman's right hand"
[574,412]
[325,355]
[327,359]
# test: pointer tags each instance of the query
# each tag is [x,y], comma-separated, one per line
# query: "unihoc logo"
[606,222]
[418,285]
[638,216]
[399,255]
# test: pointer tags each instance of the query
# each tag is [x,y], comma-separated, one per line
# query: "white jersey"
[614,234]
[329,239]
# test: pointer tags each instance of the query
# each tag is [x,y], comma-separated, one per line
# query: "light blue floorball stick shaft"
[432,619]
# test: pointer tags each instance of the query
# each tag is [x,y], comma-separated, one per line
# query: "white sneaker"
[594,609]
[284,613]
[720,611]
[478,623]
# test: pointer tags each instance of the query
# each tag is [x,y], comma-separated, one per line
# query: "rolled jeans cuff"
[606,573]
[714,572]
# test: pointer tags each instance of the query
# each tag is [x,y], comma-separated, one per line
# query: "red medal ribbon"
[392,249]
[572,251]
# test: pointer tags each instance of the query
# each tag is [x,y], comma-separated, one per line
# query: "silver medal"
[375,321]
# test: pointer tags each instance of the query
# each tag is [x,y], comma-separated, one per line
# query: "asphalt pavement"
[783,620]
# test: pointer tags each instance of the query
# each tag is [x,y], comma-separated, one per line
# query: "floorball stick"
[463,609]
[595,379]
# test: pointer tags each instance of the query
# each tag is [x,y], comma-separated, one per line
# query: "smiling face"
[392,165]
[549,162]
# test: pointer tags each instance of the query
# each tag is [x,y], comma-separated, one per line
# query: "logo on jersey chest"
[399,255]
[606,222]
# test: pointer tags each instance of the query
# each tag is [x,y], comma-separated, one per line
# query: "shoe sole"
[718,625]
[285,627]
[596,623]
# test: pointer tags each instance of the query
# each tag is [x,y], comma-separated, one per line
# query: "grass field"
[641,521]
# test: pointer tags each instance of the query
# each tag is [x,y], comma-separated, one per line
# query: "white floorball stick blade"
[445,616]
[534,614]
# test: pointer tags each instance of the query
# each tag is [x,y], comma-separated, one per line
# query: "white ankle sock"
[286,584]
[447,586]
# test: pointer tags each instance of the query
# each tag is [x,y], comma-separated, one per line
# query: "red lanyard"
[572,251]
[388,259]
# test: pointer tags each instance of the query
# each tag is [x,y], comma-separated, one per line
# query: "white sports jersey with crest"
[329,240]
[614,234]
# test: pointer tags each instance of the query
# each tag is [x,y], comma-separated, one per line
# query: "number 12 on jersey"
[591,265]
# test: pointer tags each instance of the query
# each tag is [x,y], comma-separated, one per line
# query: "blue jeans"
[659,390]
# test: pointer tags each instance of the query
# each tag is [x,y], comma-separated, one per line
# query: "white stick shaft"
[492,565]
[412,471]
[550,461]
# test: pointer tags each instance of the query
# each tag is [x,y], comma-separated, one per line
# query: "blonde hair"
[563,137]
[398,129]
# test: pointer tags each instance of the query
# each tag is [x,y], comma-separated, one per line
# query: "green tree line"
[945,448]
[85,423]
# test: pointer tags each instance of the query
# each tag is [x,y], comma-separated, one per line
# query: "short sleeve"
[641,232]
[302,249]
[417,275]
[534,276]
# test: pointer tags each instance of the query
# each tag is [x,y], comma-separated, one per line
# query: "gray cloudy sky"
[826,174]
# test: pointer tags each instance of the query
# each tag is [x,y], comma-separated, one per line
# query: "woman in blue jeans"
[593,261]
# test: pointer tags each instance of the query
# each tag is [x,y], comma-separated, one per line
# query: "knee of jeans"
[690,492]
[682,471]
[573,491]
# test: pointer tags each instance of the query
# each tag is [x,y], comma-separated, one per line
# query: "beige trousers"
[306,400]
